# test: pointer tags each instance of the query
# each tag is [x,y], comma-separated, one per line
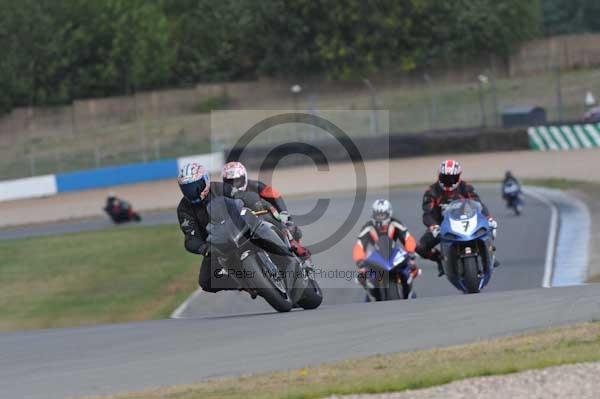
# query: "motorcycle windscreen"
[381,254]
[265,238]
[463,209]
[226,221]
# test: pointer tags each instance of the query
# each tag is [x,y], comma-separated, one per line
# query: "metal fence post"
[495,99]
[481,103]
[432,99]
[142,129]
[97,156]
[374,128]
[32,164]
[559,105]
[157,148]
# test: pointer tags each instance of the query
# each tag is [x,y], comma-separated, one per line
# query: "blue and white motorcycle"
[467,246]
[389,275]
[511,192]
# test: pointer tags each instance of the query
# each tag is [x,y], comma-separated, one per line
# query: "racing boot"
[436,256]
[496,261]
[253,293]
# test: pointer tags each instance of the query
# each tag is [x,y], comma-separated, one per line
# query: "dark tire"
[392,292]
[267,287]
[313,296]
[518,209]
[471,276]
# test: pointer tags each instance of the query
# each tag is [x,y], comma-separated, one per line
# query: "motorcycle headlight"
[451,236]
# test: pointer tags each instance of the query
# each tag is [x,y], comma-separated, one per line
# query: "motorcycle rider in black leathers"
[448,188]
[193,217]
[509,178]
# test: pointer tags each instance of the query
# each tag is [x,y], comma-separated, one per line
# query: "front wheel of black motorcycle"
[312,297]
[269,286]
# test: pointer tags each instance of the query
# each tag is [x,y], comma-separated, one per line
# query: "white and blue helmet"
[194,182]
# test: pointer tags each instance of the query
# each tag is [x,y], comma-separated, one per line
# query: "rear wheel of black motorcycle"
[313,296]
[471,276]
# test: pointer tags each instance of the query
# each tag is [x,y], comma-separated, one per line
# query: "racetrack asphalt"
[135,356]
[228,334]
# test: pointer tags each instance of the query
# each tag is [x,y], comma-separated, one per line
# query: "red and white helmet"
[449,175]
[235,176]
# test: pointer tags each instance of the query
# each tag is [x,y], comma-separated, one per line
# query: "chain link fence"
[425,103]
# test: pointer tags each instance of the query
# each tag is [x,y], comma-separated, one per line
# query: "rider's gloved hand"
[412,264]
[435,229]
[294,230]
[412,259]
[284,217]
[362,266]
[493,225]
[204,249]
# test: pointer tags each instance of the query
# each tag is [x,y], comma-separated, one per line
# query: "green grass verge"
[402,371]
[124,274]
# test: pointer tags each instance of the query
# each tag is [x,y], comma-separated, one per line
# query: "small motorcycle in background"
[511,192]
[388,276]
[120,211]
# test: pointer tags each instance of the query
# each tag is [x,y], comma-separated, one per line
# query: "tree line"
[56,51]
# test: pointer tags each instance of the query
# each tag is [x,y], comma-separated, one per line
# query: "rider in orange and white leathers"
[383,224]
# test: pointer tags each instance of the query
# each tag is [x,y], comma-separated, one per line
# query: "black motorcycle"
[254,253]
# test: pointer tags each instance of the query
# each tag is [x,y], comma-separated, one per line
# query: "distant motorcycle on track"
[467,246]
[120,211]
[511,192]
[388,275]
[254,253]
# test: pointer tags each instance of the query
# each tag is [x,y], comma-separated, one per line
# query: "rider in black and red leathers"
[235,183]
[448,188]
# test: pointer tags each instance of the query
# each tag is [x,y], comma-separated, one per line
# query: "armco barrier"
[116,175]
[31,187]
[381,147]
[42,186]
[564,137]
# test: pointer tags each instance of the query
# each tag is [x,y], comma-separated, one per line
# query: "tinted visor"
[238,182]
[381,216]
[449,180]
[192,191]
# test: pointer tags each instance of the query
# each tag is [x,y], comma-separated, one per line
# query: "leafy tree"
[570,16]
[56,51]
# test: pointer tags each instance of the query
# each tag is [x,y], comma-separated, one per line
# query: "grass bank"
[124,274]
[402,371]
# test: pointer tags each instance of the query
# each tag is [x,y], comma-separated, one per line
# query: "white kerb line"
[552,234]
